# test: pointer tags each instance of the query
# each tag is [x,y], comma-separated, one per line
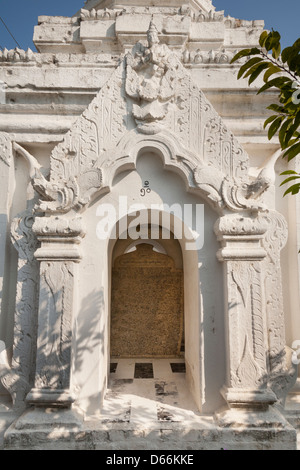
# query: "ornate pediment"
[149,94]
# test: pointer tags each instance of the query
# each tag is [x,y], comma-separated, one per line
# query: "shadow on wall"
[213,333]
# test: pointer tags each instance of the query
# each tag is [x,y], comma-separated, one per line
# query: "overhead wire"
[10,33]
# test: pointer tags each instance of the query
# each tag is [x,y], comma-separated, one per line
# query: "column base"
[50,398]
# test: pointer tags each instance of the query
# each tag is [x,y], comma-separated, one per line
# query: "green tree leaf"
[288,180]
[273,41]
[272,70]
[276,108]
[293,189]
[283,132]
[290,132]
[256,73]
[263,37]
[245,53]
[276,82]
[269,120]
[289,172]
[248,65]
[292,151]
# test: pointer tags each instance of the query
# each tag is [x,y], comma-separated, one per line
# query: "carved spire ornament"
[151,77]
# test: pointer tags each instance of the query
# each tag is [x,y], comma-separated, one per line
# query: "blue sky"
[21,16]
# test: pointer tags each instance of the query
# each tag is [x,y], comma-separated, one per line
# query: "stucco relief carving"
[218,140]
[72,190]
[229,192]
[241,275]
[151,79]
[184,10]
[252,363]
[103,14]
[200,128]
[199,57]
[75,176]
[58,228]
[53,365]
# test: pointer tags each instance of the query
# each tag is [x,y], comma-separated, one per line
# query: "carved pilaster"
[5,201]
[246,328]
[59,251]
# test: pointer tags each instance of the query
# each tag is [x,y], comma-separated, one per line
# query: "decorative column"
[60,238]
[243,254]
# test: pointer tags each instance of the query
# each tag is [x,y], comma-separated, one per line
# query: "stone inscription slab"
[147,305]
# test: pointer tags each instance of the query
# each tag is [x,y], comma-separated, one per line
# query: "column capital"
[59,237]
